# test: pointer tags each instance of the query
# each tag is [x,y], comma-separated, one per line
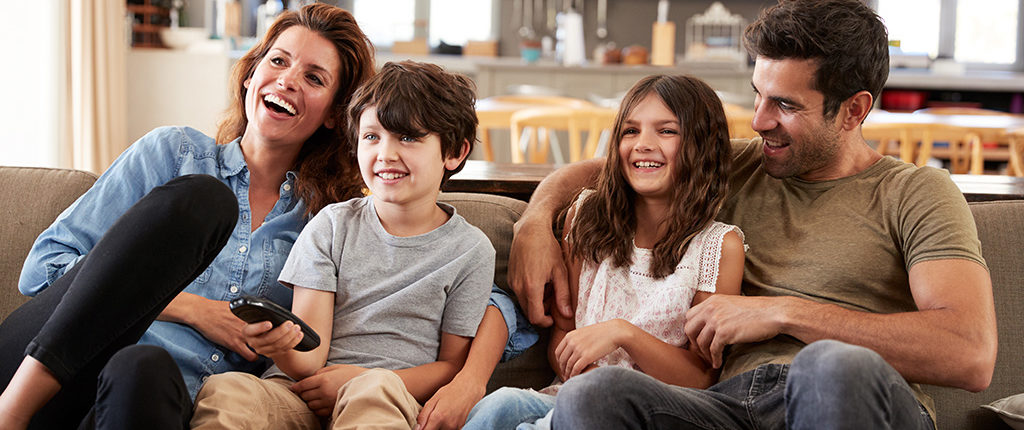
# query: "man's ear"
[855,109]
[454,162]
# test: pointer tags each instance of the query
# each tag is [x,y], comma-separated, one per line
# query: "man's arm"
[950,340]
[535,260]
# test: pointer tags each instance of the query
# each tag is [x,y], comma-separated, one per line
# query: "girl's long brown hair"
[327,172]
[604,225]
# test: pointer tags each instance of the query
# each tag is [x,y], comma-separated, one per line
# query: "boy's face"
[402,170]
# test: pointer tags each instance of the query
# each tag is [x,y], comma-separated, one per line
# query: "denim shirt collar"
[232,162]
[231,159]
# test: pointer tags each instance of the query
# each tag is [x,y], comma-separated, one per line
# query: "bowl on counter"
[182,37]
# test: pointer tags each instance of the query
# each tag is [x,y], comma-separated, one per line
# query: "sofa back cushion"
[1001,230]
[30,199]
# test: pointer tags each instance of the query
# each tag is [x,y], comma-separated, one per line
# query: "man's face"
[798,140]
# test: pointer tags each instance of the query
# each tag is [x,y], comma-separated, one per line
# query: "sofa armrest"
[30,199]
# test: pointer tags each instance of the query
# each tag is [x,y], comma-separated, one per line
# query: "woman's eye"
[277,61]
[669,131]
[316,79]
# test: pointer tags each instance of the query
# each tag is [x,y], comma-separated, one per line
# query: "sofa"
[32,197]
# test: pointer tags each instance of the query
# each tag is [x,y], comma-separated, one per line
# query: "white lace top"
[658,306]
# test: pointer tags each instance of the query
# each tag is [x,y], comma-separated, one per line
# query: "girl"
[175,228]
[642,248]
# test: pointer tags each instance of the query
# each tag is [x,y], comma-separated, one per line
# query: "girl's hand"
[320,391]
[583,346]
[450,405]
[265,339]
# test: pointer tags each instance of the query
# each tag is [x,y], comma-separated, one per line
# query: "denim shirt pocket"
[275,254]
[205,276]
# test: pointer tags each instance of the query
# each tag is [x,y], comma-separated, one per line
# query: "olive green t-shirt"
[848,242]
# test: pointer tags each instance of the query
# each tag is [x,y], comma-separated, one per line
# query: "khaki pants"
[375,399]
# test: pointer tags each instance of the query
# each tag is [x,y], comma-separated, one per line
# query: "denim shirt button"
[242,249]
[215,357]
[287,187]
[233,289]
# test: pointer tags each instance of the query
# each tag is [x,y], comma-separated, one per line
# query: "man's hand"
[214,320]
[536,271]
[450,406]
[320,391]
[726,320]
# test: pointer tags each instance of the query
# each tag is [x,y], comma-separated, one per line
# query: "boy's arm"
[451,404]
[422,381]
[316,308]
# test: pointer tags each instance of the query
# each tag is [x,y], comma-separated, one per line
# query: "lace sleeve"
[711,253]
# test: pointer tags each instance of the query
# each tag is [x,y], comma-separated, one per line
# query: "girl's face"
[291,91]
[647,150]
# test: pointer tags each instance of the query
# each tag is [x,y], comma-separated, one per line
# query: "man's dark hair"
[846,38]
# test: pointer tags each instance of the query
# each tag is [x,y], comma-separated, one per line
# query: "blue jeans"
[830,385]
[507,407]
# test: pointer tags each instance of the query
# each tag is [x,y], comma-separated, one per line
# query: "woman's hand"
[211,318]
[450,405]
[583,346]
[272,341]
[320,391]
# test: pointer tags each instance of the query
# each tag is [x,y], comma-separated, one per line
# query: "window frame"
[947,36]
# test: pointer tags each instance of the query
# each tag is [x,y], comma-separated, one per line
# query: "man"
[864,275]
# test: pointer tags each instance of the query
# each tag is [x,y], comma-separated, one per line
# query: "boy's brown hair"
[416,99]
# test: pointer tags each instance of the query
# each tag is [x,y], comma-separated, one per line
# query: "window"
[982,33]
[30,124]
[453,21]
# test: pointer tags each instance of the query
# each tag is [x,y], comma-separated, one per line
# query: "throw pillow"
[1010,409]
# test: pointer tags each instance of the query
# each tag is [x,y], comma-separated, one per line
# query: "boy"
[396,281]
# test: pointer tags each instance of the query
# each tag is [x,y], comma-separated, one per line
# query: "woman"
[173,230]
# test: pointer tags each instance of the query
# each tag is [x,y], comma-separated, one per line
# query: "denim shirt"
[249,263]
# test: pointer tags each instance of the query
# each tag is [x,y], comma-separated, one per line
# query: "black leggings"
[102,306]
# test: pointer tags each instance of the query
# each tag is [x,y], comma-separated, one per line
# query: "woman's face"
[291,91]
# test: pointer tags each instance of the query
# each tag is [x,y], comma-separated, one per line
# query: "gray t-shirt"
[393,295]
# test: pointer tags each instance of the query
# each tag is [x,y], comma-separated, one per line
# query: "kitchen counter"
[979,80]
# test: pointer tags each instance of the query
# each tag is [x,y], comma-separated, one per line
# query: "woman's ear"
[454,162]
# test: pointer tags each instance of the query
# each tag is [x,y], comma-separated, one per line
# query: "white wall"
[175,87]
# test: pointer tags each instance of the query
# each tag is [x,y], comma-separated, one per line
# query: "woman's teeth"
[279,102]
[647,164]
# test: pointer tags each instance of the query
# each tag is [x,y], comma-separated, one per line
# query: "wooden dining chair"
[739,119]
[496,113]
[915,143]
[1016,164]
[534,132]
[955,110]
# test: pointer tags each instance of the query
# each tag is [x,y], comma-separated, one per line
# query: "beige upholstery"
[1001,230]
[30,199]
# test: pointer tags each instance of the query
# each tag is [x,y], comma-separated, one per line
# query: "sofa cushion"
[1001,230]
[1010,409]
[31,199]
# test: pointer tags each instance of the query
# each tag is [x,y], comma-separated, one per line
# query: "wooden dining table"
[519,180]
